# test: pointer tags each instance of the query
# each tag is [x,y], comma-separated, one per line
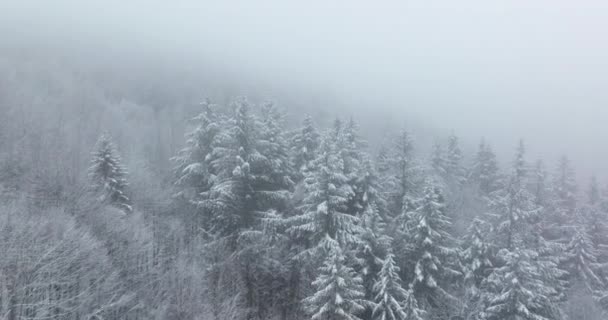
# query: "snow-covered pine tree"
[477,254]
[193,163]
[403,176]
[539,184]
[304,144]
[373,243]
[251,174]
[276,170]
[484,172]
[193,170]
[580,260]
[438,160]
[433,252]
[349,146]
[512,207]
[564,192]
[324,210]
[389,294]
[594,194]
[107,175]
[410,306]
[454,169]
[338,290]
[595,220]
[516,291]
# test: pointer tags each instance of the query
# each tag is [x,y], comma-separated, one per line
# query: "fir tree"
[593,193]
[432,253]
[438,161]
[581,260]
[373,242]
[304,145]
[193,163]
[390,296]
[477,254]
[403,173]
[512,208]
[324,210]
[107,175]
[484,172]
[539,184]
[515,290]
[564,192]
[454,169]
[339,292]
[410,306]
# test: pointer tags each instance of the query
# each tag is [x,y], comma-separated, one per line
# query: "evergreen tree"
[410,306]
[324,210]
[251,174]
[581,260]
[513,207]
[339,292]
[373,244]
[272,146]
[539,184]
[304,145]
[403,168]
[193,163]
[515,290]
[390,296]
[454,169]
[438,161]
[564,192]
[434,257]
[477,254]
[484,172]
[593,193]
[107,175]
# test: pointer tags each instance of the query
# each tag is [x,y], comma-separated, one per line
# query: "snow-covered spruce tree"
[433,252]
[438,160]
[538,185]
[390,295]
[338,290]
[513,207]
[516,218]
[454,168]
[373,243]
[274,149]
[324,209]
[411,308]
[477,254]
[595,220]
[516,291]
[304,144]
[349,144]
[564,185]
[249,186]
[403,175]
[193,168]
[484,172]
[594,195]
[107,175]
[580,260]
[564,196]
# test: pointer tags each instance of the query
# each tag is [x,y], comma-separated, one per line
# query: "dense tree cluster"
[261,220]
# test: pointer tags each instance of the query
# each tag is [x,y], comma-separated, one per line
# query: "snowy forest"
[191,160]
[112,209]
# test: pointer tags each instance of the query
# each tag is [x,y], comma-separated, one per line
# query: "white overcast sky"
[505,69]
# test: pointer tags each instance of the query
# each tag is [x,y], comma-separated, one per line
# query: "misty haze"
[314,160]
